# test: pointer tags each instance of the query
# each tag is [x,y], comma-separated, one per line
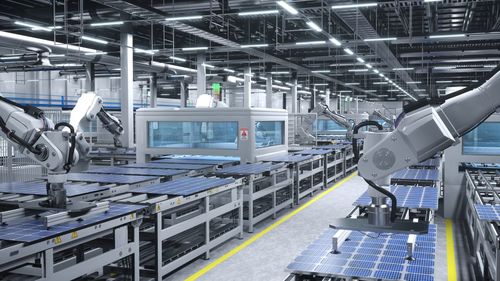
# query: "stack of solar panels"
[412,197]
[425,177]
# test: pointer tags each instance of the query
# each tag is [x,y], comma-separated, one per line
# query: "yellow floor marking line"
[450,251]
[255,237]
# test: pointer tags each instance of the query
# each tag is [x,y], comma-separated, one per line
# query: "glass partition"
[483,140]
[193,134]
[327,125]
[269,133]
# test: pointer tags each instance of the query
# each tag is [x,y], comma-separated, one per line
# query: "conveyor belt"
[413,197]
[34,230]
[185,186]
[137,171]
[249,169]
[39,188]
[100,178]
[363,256]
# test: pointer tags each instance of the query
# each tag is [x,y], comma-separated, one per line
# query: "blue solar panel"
[291,158]
[488,212]
[173,166]
[432,162]
[33,230]
[184,186]
[195,161]
[416,174]
[248,169]
[39,188]
[100,178]
[315,152]
[387,262]
[137,171]
[414,197]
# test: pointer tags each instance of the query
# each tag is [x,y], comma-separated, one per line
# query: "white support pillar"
[183,94]
[269,90]
[153,90]
[294,97]
[247,90]
[201,78]
[327,97]
[127,80]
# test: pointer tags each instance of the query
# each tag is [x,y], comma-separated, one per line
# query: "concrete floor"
[267,258]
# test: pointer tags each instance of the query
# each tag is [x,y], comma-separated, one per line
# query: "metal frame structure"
[190,221]
[481,188]
[265,193]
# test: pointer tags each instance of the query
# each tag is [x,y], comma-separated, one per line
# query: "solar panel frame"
[487,212]
[103,178]
[173,166]
[214,162]
[315,152]
[386,262]
[184,186]
[249,169]
[33,230]
[289,159]
[40,189]
[137,171]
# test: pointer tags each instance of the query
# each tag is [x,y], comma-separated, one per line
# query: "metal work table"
[303,172]
[424,177]
[366,256]
[194,169]
[71,249]
[325,155]
[187,218]
[268,189]
[131,181]
[482,220]
[164,174]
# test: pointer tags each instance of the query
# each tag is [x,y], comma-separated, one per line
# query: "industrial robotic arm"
[322,109]
[421,132]
[381,116]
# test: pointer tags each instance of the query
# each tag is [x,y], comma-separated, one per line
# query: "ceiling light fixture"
[311,43]
[335,41]
[143,51]
[320,71]
[380,39]
[348,51]
[194,48]
[32,26]
[352,84]
[368,65]
[254,46]
[258,13]
[444,81]
[380,83]
[360,60]
[446,36]
[403,68]
[10,58]
[280,72]
[208,65]
[229,70]
[358,70]
[107,23]
[184,18]
[350,6]
[96,40]
[177,58]
[95,54]
[314,26]
[414,82]
[287,7]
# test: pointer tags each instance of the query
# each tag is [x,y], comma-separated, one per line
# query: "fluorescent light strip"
[143,51]
[414,82]
[95,54]
[376,71]
[380,83]
[287,7]
[208,65]
[229,70]
[314,26]
[280,87]
[345,91]
[429,1]
[403,68]
[96,40]
[194,48]
[311,43]
[419,90]
[184,18]
[446,36]
[350,6]
[107,23]
[10,58]
[320,71]
[32,26]
[258,13]
[262,78]
[368,65]
[335,41]
[370,91]
[392,90]
[348,51]
[56,55]
[280,72]
[444,67]
[254,46]
[444,81]
[360,60]
[358,70]
[352,84]
[380,39]
[177,58]
[68,64]
[320,84]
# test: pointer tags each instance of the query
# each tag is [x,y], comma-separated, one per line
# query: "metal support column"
[201,78]
[127,77]
[327,97]
[269,90]
[247,92]
[294,97]
[153,90]
[90,77]
[183,94]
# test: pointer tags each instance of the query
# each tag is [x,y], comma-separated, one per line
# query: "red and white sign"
[244,134]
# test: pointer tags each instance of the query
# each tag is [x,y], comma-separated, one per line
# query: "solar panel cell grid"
[416,174]
[39,188]
[414,197]
[103,178]
[173,166]
[184,186]
[488,212]
[360,258]
[137,171]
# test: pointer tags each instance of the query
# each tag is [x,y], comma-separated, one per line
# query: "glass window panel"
[483,140]
[195,134]
[327,125]
[269,133]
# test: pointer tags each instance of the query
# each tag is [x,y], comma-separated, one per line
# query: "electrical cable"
[72,148]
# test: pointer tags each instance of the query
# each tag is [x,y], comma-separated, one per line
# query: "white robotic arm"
[381,116]
[323,110]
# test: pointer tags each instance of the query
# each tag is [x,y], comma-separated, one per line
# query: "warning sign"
[244,134]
